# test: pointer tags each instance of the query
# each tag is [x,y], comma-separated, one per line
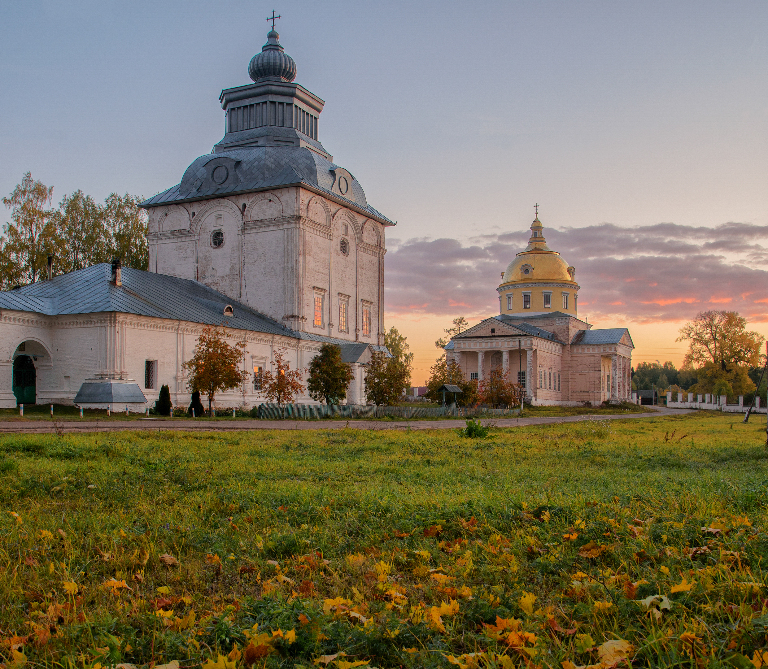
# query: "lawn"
[597,543]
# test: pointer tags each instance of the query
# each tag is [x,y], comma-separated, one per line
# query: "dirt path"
[76,426]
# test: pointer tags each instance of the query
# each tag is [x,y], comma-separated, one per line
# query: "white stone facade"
[68,350]
[281,250]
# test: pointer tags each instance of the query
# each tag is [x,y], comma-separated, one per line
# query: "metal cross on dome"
[273,18]
[536,206]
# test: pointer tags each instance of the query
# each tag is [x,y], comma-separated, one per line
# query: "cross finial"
[273,18]
[536,207]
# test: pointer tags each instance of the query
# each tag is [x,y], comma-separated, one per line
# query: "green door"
[24,380]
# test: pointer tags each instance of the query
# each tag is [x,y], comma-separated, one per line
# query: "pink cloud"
[662,272]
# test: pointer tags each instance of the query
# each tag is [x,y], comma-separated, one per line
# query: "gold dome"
[529,267]
[538,280]
[538,263]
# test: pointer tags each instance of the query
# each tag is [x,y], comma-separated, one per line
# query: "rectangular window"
[318,320]
[550,379]
[526,300]
[547,300]
[366,319]
[343,305]
[473,376]
[150,374]
[258,377]
[541,385]
[565,300]
[608,383]
[521,379]
[558,382]
[509,302]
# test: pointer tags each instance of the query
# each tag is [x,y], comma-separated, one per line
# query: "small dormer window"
[229,311]
[217,239]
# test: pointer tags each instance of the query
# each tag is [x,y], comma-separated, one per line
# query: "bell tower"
[269,219]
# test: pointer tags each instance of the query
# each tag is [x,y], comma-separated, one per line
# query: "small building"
[538,340]
[648,397]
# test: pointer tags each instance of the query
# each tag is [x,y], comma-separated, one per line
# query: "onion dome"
[272,62]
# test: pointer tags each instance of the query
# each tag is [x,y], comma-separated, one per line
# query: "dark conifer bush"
[163,404]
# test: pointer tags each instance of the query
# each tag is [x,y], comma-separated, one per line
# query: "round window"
[220,174]
[217,239]
[344,246]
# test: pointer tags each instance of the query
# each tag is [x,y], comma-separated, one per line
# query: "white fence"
[711,402]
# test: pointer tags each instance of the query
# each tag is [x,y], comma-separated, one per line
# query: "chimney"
[116,278]
[50,267]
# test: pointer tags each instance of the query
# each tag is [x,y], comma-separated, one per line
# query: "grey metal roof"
[607,336]
[449,388]
[108,392]
[527,327]
[537,315]
[256,168]
[352,352]
[89,291]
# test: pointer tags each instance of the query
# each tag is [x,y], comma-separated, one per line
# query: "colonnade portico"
[517,359]
[621,378]
[567,364]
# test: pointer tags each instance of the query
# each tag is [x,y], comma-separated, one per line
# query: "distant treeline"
[649,375]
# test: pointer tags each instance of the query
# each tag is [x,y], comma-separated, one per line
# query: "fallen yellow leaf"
[526,602]
[683,586]
[614,651]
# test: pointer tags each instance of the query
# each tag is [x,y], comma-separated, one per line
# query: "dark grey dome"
[272,62]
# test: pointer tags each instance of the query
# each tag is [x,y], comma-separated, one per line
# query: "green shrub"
[197,405]
[475,429]
[163,404]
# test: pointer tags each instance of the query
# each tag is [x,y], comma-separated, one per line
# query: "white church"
[265,236]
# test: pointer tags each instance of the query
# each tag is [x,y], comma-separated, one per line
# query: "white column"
[505,362]
[614,380]
[528,372]
[480,361]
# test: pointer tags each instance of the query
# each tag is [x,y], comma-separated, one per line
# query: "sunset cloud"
[661,272]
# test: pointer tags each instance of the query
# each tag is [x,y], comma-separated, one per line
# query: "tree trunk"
[210,401]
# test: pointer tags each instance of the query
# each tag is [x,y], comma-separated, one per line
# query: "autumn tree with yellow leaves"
[216,365]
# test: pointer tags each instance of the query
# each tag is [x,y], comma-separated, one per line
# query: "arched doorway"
[24,380]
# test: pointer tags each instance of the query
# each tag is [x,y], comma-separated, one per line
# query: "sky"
[640,129]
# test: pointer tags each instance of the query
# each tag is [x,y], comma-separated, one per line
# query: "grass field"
[597,543]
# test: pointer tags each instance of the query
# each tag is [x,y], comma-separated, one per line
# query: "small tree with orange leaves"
[284,383]
[215,365]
